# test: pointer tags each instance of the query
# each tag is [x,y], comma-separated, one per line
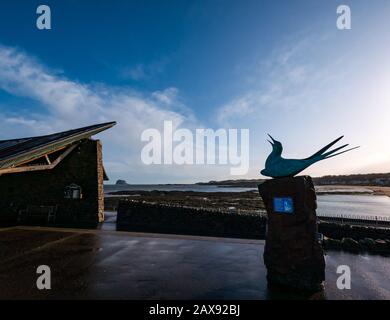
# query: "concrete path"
[102,264]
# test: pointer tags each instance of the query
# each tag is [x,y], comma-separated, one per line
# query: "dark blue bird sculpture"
[278,167]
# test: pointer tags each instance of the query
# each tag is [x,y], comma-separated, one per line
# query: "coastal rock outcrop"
[349,244]
[378,246]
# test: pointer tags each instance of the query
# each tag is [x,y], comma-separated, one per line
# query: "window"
[73,191]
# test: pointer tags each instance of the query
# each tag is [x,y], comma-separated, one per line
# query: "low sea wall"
[143,216]
[151,217]
[339,231]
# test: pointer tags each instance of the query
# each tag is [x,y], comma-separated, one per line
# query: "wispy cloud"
[313,90]
[65,104]
[68,104]
[283,81]
[142,71]
[137,72]
[74,103]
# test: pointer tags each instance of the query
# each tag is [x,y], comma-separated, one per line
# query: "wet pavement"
[103,264]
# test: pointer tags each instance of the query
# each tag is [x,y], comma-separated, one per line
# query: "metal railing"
[356,219]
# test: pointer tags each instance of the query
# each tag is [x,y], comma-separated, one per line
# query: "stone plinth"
[293,255]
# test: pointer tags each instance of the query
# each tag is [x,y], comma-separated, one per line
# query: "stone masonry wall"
[83,166]
[100,178]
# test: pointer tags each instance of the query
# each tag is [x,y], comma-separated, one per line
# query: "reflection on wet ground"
[123,265]
[109,221]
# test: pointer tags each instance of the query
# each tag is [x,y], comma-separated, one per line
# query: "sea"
[355,201]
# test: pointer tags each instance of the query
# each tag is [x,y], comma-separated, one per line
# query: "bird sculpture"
[278,167]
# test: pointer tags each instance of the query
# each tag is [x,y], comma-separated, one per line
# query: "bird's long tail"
[322,154]
[332,153]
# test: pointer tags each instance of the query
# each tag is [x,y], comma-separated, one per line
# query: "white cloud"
[166,96]
[65,104]
[315,91]
[283,81]
[142,71]
[136,73]
[69,104]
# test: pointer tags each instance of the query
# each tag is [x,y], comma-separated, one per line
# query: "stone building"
[56,179]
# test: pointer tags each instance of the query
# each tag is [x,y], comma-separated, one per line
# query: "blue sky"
[270,66]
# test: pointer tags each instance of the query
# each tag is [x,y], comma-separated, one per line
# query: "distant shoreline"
[321,189]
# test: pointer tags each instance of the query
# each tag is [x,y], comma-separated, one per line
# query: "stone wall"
[339,231]
[83,167]
[100,179]
[153,217]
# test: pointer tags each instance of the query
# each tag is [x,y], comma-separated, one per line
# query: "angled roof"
[18,151]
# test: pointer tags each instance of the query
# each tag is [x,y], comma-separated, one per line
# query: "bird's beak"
[273,140]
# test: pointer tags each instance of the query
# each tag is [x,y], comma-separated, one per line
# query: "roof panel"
[13,152]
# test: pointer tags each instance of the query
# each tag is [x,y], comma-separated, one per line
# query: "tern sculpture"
[278,167]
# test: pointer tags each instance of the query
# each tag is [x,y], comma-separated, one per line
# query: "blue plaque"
[284,205]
